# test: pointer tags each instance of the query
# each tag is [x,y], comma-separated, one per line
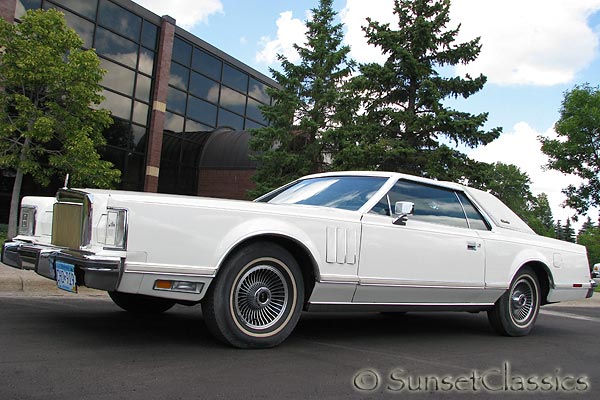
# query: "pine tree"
[305,111]
[568,232]
[559,231]
[400,112]
[588,224]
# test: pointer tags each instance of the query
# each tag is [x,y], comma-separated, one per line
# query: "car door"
[432,257]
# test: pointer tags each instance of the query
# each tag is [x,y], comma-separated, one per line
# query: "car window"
[432,204]
[476,220]
[344,192]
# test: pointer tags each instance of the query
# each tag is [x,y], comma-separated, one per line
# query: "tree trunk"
[13,217]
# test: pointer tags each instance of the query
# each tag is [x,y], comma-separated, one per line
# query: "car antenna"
[66,182]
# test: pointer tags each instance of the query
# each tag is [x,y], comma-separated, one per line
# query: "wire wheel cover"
[523,300]
[261,297]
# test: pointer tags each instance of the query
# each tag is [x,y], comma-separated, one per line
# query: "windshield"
[344,192]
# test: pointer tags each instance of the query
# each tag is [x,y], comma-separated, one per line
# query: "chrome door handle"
[472,246]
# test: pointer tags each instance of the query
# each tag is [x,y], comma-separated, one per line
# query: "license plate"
[65,276]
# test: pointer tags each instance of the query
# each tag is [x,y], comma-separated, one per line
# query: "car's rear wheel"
[515,313]
[140,304]
[256,299]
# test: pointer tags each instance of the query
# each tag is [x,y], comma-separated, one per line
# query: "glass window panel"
[24,5]
[193,126]
[140,113]
[133,178]
[203,87]
[179,76]
[115,47]
[117,78]
[231,120]
[139,138]
[115,156]
[207,64]
[120,106]
[149,35]
[252,125]
[142,88]
[176,100]
[476,221]
[119,134]
[146,64]
[173,123]
[203,111]
[87,8]
[84,28]
[232,100]
[258,90]
[253,111]
[182,51]
[235,78]
[119,20]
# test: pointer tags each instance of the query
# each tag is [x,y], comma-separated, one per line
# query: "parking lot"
[73,347]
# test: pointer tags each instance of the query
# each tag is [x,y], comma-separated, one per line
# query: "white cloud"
[521,147]
[290,31]
[187,13]
[534,42]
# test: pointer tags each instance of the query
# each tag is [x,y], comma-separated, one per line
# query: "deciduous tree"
[49,120]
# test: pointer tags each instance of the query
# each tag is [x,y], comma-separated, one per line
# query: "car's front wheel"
[140,304]
[515,313]
[257,297]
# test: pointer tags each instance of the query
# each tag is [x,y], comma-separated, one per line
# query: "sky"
[532,52]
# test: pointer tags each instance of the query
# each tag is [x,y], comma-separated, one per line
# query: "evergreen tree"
[399,112]
[568,232]
[591,240]
[305,111]
[559,231]
[588,224]
[543,220]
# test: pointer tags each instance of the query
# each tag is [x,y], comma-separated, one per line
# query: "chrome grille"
[71,221]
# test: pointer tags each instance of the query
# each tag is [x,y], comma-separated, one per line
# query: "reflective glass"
[253,111]
[84,28]
[179,76]
[87,8]
[115,47]
[258,90]
[173,123]
[24,5]
[142,88]
[203,87]
[149,35]
[119,134]
[207,64]
[176,100]
[252,125]
[201,110]
[119,20]
[193,126]
[182,51]
[232,100]
[146,64]
[120,106]
[133,178]
[140,113]
[117,78]
[139,138]
[231,120]
[235,78]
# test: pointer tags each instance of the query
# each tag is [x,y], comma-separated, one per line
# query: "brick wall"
[227,184]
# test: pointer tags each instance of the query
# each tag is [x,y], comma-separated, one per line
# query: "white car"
[596,271]
[328,242]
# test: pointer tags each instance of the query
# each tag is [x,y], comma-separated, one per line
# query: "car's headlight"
[112,229]
[27,221]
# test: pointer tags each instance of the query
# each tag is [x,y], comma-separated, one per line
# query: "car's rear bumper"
[590,292]
[95,272]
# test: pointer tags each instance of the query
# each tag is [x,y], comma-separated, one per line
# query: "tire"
[140,304]
[257,297]
[515,313]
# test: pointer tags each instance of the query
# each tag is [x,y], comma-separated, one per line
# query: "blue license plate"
[65,276]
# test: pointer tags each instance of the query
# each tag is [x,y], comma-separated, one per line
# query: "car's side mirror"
[401,210]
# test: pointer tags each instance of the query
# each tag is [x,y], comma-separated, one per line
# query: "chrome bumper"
[590,292]
[95,272]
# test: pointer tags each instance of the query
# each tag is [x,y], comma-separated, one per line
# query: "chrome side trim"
[416,284]
[375,307]
[347,279]
[401,304]
[171,269]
